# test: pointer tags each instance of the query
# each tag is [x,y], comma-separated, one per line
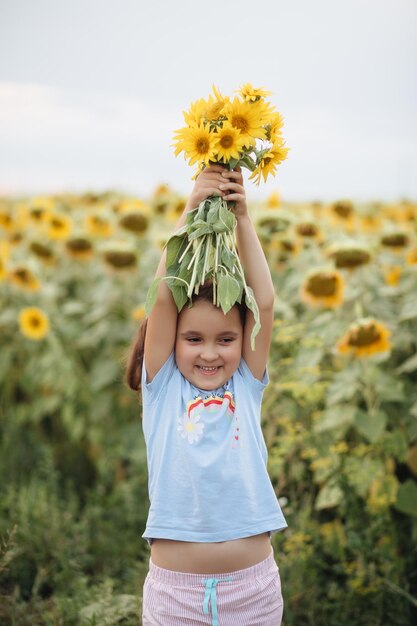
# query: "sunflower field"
[339,414]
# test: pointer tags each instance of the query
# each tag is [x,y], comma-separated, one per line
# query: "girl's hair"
[133,360]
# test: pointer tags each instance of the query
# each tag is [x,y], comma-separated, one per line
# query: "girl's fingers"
[235,197]
[236,175]
[232,187]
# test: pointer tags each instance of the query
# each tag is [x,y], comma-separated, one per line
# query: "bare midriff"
[210,558]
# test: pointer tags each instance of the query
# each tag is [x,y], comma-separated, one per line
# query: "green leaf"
[248,162]
[227,258]
[203,229]
[409,310]
[179,292]
[152,295]
[252,306]
[330,496]
[334,417]
[174,245]
[213,212]
[227,217]
[407,498]
[371,425]
[227,291]
[410,365]
[344,387]
[219,227]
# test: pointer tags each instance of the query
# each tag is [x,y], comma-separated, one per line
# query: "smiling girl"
[213,508]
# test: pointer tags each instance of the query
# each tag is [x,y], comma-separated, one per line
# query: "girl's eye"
[193,339]
[227,340]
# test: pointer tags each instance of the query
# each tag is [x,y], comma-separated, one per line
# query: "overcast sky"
[92,90]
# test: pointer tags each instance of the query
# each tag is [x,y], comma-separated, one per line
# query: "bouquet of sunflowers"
[244,131]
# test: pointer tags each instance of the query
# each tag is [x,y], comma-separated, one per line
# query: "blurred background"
[90,95]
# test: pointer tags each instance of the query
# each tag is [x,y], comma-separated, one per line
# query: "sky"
[91,91]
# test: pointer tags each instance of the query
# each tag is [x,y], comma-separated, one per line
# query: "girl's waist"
[208,558]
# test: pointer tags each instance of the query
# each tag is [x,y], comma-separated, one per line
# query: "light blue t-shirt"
[207,459]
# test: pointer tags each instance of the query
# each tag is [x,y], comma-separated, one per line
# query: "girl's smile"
[208,345]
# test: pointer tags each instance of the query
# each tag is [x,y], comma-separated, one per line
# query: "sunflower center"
[364,336]
[202,145]
[41,250]
[35,322]
[79,245]
[240,122]
[37,214]
[23,275]
[57,223]
[351,258]
[398,240]
[226,141]
[343,209]
[287,245]
[322,285]
[135,222]
[307,230]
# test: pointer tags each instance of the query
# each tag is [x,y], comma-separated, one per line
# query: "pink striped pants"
[246,597]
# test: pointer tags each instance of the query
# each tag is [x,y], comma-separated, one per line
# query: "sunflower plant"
[244,131]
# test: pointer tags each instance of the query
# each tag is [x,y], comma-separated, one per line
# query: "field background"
[339,415]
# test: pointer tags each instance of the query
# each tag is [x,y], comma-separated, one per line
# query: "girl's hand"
[232,186]
[217,181]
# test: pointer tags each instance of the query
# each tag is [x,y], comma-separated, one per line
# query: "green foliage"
[341,431]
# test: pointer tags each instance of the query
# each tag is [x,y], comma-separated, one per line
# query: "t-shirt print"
[191,424]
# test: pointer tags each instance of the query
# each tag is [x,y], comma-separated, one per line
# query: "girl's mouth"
[208,371]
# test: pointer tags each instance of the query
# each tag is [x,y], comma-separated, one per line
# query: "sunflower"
[342,213]
[39,214]
[308,231]
[161,190]
[79,248]
[275,123]
[5,250]
[364,338]
[252,94]
[197,142]
[323,288]
[411,258]
[247,118]
[120,260]
[6,220]
[195,115]
[139,313]
[392,275]
[97,225]
[273,201]
[269,162]
[395,241]
[34,323]
[58,226]
[23,278]
[43,252]
[3,272]
[135,222]
[349,255]
[229,143]
[215,106]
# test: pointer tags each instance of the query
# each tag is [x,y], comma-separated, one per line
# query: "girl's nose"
[208,353]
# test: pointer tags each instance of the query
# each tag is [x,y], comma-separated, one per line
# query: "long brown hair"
[134,358]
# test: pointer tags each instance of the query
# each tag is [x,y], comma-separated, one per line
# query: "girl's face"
[208,345]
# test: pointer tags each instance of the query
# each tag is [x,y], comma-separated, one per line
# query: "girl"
[213,508]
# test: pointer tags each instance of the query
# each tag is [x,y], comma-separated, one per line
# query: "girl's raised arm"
[162,322]
[257,275]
